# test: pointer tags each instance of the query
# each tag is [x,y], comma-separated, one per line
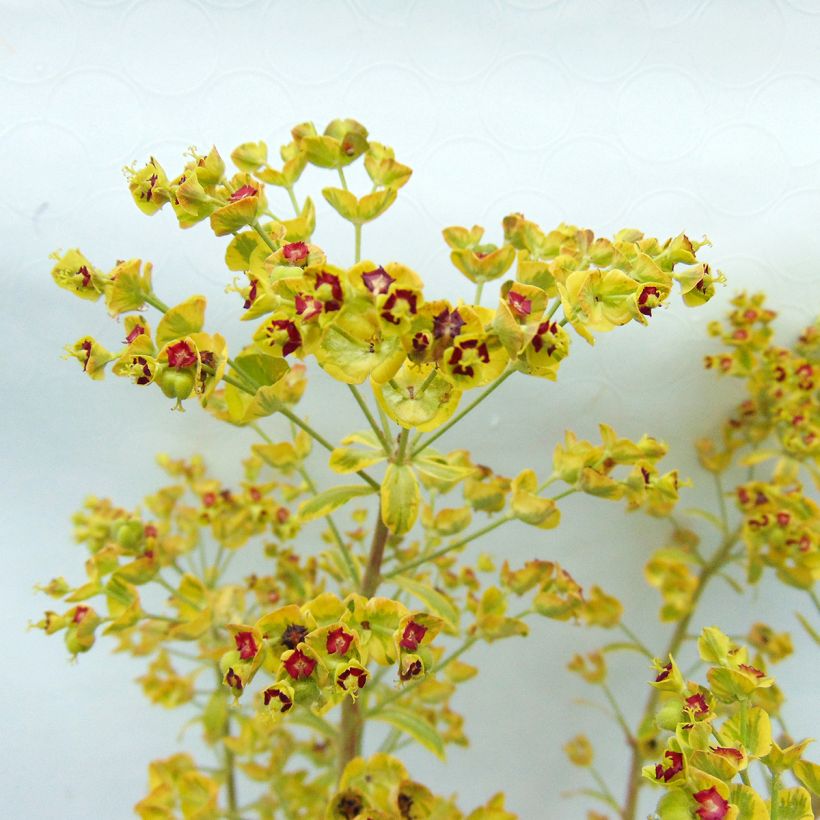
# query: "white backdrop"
[668,116]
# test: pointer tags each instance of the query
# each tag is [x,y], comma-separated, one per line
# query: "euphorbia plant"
[287,666]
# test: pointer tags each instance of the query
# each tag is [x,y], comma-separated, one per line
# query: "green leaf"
[182,320]
[365,438]
[808,774]
[261,369]
[750,804]
[343,202]
[753,730]
[330,500]
[674,806]
[436,603]
[412,724]
[373,205]
[435,470]
[705,515]
[400,498]
[348,460]
[794,804]
[264,403]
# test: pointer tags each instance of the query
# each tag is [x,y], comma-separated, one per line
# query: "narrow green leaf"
[400,498]
[415,726]
[348,460]
[330,500]
[435,602]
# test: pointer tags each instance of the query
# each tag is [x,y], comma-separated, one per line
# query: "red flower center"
[299,665]
[697,703]
[664,673]
[137,330]
[377,281]
[246,645]
[412,636]
[293,635]
[79,614]
[273,693]
[356,672]
[521,306]
[675,765]
[243,193]
[447,324]
[180,355]
[251,296]
[338,641]
[296,252]
[712,805]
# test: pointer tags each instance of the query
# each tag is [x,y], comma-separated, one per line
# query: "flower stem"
[263,235]
[369,416]
[448,548]
[155,302]
[352,724]
[636,640]
[293,201]
[479,287]
[457,418]
[357,255]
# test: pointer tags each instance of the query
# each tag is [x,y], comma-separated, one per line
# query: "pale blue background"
[703,116]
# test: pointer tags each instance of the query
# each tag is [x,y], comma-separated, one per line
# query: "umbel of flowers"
[367,620]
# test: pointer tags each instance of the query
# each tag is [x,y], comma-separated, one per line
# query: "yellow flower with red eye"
[280,335]
[394,290]
[433,329]
[473,358]
[548,346]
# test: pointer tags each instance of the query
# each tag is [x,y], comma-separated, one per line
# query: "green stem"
[636,640]
[369,416]
[724,513]
[342,179]
[402,448]
[351,726]
[448,548]
[264,235]
[293,201]
[619,715]
[426,383]
[357,255]
[610,798]
[388,434]
[155,302]
[457,418]
[551,312]
[176,593]
[479,287]
[775,803]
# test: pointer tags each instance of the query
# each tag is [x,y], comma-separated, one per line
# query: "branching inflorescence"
[286,666]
